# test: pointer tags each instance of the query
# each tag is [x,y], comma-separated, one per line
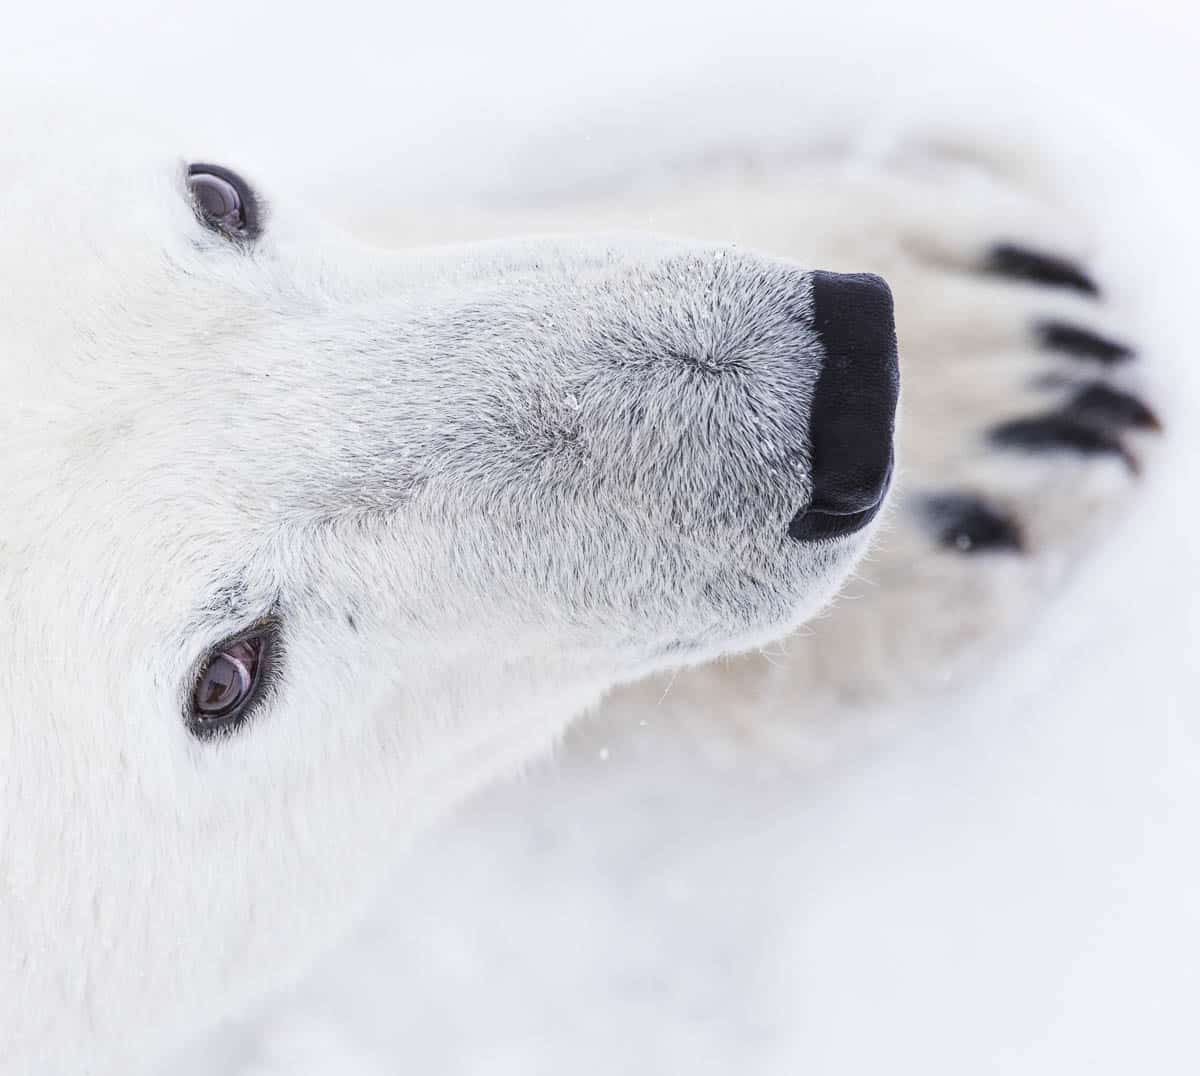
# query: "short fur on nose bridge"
[852,422]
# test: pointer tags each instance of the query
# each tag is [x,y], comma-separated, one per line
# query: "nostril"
[854,407]
[817,522]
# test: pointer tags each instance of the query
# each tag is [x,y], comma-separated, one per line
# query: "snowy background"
[1006,881]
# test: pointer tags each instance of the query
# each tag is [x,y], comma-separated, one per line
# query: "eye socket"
[223,200]
[230,682]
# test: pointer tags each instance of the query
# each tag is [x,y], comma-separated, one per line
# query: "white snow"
[1008,882]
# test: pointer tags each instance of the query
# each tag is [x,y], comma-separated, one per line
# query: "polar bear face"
[303,540]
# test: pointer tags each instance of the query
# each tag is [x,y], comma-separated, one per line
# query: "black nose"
[854,410]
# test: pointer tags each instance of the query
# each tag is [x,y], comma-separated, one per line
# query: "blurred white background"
[1005,882]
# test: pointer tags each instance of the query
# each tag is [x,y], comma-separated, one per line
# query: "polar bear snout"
[852,421]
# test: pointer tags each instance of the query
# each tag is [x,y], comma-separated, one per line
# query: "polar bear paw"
[1025,422]
[1020,468]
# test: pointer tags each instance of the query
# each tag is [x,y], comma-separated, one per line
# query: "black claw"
[1081,344]
[1061,431]
[968,524]
[1102,406]
[1006,259]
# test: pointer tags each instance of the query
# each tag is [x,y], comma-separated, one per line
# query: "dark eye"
[223,200]
[230,682]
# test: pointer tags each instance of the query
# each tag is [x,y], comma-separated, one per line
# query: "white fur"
[479,497]
[478,486]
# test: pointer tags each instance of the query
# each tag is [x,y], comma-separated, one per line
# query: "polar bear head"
[300,541]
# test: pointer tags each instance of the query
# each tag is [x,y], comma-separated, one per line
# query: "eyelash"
[266,662]
[205,181]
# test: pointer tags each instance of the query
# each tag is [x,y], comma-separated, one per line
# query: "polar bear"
[305,538]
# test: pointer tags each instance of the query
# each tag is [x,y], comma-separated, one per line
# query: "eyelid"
[251,205]
[268,627]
